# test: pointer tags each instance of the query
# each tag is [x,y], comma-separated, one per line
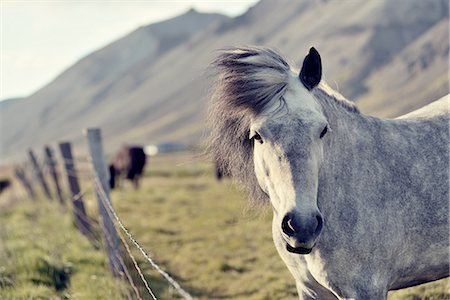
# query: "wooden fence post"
[81,218]
[100,174]
[39,175]
[51,163]
[20,174]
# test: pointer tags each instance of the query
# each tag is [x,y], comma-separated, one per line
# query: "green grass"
[204,233]
[43,256]
[197,229]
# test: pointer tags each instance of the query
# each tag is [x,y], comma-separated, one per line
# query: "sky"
[39,39]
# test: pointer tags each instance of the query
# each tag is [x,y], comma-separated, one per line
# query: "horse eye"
[324,131]
[258,138]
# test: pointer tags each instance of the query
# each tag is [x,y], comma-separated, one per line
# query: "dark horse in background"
[4,184]
[219,172]
[129,164]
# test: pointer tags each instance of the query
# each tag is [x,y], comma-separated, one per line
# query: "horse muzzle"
[299,234]
[299,249]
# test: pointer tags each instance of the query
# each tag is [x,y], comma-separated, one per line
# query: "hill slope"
[77,97]
[369,51]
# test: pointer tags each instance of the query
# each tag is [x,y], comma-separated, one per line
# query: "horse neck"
[354,138]
[348,128]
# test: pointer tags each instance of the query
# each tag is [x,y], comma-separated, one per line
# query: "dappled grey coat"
[382,185]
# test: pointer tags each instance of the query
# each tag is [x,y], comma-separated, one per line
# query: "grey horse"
[360,204]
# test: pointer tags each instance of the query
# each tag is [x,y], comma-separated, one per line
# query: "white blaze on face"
[272,166]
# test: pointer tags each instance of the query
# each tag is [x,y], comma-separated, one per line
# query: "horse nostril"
[287,227]
[319,224]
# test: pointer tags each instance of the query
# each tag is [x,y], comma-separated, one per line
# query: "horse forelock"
[248,79]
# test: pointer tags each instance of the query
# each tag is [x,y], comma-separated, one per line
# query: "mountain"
[78,96]
[10,101]
[418,73]
[151,85]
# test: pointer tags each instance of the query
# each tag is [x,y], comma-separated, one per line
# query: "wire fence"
[38,170]
[114,215]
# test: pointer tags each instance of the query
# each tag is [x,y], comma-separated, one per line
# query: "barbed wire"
[130,280]
[76,167]
[99,189]
[124,267]
[91,236]
[75,160]
[105,200]
[83,173]
[97,242]
[43,163]
[127,248]
[79,195]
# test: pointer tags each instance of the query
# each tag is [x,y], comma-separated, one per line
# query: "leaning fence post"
[20,174]
[51,162]
[100,175]
[81,218]
[39,176]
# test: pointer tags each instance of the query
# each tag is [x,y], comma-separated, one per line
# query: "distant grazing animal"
[4,184]
[219,172]
[360,204]
[129,164]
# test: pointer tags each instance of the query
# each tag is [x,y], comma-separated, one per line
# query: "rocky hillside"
[151,86]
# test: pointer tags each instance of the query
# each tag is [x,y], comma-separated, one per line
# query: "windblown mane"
[248,78]
[326,95]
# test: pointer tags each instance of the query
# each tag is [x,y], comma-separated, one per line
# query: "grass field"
[204,233]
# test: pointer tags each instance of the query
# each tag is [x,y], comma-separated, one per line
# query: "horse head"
[287,155]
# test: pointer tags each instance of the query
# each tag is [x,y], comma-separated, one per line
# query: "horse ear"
[311,71]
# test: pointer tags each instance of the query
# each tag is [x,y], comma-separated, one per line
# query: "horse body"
[360,203]
[4,184]
[381,189]
[128,163]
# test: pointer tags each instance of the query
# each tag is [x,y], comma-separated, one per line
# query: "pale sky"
[39,39]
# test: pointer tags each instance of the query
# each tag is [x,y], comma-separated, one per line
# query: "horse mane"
[247,80]
[324,93]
